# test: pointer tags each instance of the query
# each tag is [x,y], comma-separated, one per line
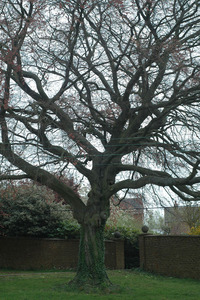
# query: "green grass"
[132,285]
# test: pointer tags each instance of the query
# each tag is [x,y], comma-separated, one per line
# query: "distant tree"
[191,215]
[110,89]
[195,230]
[180,219]
[155,222]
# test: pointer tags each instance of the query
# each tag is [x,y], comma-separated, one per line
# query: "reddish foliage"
[69,182]
[12,188]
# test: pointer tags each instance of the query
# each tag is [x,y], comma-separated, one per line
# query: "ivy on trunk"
[91,267]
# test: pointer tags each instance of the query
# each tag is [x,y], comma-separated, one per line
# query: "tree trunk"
[91,266]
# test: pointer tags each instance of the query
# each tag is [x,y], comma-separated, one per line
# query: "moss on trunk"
[91,267]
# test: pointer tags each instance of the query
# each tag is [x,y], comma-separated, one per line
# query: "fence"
[36,254]
[177,256]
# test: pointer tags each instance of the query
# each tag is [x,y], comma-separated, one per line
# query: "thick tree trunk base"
[84,282]
[91,267]
[91,286]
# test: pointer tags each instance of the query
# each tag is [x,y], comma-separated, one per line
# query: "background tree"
[155,221]
[191,215]
[107,88]
[181,219]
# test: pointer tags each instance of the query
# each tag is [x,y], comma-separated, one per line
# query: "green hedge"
[30,210]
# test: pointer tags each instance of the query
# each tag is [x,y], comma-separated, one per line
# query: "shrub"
[30,210]
[67,229]
[195,230]
[33,210]
[123,222]
[130,234]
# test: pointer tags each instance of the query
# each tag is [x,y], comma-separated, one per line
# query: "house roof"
[132,203]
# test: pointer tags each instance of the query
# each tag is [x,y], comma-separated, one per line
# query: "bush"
[69,229]
[123,222]
[195,230]
[129,234]
[30,210]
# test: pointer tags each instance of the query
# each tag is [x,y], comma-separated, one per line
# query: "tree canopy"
[110,88]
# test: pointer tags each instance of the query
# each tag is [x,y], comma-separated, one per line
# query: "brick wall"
[176,256]
[36,254]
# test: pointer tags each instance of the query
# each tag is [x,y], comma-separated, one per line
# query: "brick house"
[135,207]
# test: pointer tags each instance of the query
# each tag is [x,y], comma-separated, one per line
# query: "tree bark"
[91,267]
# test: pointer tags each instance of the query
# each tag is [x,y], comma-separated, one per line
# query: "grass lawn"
[132,285]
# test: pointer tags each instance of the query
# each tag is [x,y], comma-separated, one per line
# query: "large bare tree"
[110,88]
